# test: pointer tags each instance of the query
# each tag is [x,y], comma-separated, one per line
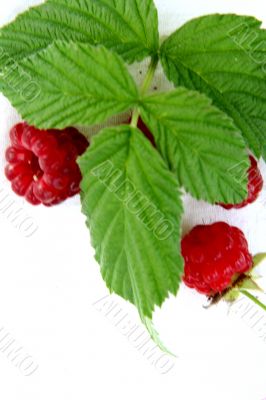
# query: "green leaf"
[133,207]
[199,143]
[224,56]
[130,27]
[77,84]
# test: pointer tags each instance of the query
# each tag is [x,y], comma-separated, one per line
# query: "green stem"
[135,118]
[254,299]
[144,87]
[150,75]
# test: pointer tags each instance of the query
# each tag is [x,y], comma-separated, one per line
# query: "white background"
[49,282]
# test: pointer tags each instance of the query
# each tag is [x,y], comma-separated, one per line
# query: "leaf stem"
[144,87]
[254,299]
[150,74]
[135,118]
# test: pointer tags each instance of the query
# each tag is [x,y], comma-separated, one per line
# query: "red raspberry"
[255,185]
[215,256]
[42,164]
